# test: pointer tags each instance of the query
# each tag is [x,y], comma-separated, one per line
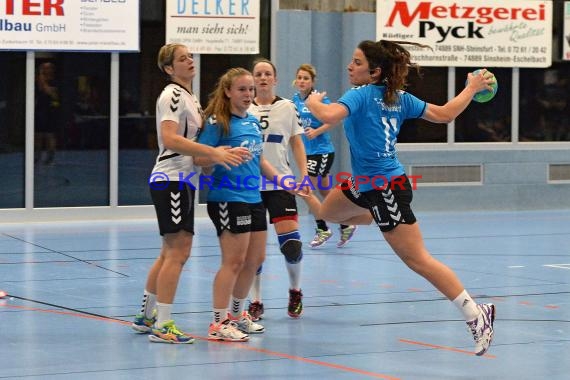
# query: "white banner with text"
[78,25]
[566,42]
[470,33]
[214,27]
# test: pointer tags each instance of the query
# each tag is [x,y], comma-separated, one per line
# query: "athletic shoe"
[295,308]
[246,325]
[321,237]
[142,324]
[169,333]
[345,235]
[227,331]
[256,310]
[482,328]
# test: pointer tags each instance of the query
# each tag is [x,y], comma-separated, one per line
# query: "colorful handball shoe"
[142,324]
[226,331]
[345,235]
[245,324]
[295,308]
[169,333]
[256,310]
[482,328]
[321,237]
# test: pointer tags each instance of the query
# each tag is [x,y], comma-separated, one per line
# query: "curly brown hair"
[394,62]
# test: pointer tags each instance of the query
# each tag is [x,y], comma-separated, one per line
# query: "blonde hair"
[166,55]
[218,103]
[308,68]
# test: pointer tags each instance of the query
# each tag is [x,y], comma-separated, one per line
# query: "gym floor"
[73,289]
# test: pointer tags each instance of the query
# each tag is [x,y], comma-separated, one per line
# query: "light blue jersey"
[372,128]
[321,144]
[241,183]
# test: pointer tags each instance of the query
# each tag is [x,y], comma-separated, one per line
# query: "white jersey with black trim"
[177,104]
[279,122]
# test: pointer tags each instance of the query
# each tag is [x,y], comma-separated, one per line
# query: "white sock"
[148,304]
[466,306]
[220,315]
[164,313]
[237,305]
[256,288]
[294,275]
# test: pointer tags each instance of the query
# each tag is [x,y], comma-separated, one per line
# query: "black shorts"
[237,217]
[319,164]
[391,206]
[174,207]
[351,192]
[281,205]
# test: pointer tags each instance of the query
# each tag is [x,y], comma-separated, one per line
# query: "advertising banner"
[214,27]
[566,42]
[78,25]
[470,33]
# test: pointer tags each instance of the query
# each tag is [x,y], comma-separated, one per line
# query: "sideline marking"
[445,348]
[559,266]
[320,363]
[68,313]
[237,344]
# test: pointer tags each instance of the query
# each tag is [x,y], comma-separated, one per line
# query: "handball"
[485,95]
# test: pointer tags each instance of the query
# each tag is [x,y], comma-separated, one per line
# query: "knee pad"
[291,246]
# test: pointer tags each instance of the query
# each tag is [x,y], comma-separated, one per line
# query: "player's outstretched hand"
[227,156]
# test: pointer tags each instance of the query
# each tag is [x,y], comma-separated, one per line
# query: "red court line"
[241,345]
[445,348]
[68,313]
[320,363]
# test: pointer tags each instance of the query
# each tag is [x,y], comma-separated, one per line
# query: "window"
[140,85]
[486,122]
[72,130]
[545,104]
[12,128]
[431,86]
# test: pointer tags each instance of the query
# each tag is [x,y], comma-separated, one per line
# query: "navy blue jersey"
[372,128]
[241,183]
